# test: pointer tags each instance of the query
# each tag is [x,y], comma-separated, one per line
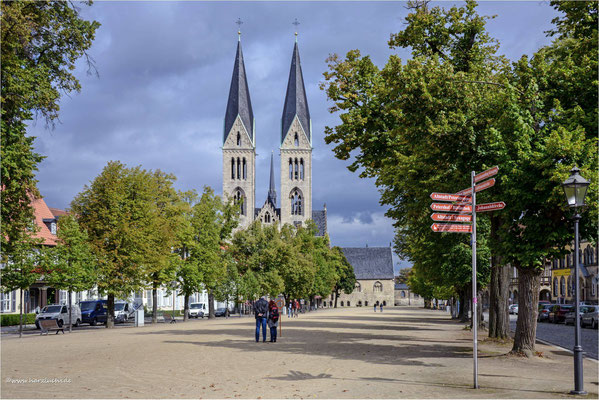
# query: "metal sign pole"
[474,297]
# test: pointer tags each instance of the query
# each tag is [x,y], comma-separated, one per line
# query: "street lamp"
[575,189]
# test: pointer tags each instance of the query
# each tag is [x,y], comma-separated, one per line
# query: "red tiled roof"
[57,212]
[42,211]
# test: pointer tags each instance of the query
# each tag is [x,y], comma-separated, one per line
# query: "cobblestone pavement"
[563,335]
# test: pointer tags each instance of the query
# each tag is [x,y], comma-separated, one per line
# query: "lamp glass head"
[575,188]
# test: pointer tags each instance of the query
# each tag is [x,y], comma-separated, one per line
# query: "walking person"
[375,305]
[260,313]
[273,320]
[290,309]
[297,307]
[381,307]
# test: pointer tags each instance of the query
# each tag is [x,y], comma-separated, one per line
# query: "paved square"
[345,353]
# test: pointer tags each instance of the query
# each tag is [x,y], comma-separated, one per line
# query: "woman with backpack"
[273,320]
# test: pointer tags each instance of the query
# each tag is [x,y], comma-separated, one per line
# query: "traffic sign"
[498,205]
[451,217]
[280,303]
[486,174]
[459,208]
[451,228]
[450,197]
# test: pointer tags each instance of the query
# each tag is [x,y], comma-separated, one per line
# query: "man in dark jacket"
[260,312]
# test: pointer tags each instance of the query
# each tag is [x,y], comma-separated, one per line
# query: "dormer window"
[296,140]
[53,228]
[238,139]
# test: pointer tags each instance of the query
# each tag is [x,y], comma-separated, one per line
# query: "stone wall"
[366,296]
[408,298]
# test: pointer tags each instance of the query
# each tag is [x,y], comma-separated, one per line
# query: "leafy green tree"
[120,214]
[326,273]
[22,266]
[168,212]
[71,265]
[346,279]
[403,276]
[41,41]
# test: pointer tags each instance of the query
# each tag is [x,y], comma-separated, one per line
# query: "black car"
[221,312]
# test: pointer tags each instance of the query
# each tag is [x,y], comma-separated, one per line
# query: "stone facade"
[367,292]
[239,170]
[405,297]
[296,175]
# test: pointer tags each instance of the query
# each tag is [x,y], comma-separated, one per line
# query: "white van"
[197,310]
[60,313]
[123,311]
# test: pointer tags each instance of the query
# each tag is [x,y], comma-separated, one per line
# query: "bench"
[169,319]
[47,325]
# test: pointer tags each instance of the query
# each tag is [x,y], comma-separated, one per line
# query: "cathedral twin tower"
[239,153]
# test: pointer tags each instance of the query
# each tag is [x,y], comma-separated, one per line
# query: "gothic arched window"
[378,286]
[238,139]
[302,169]
[232,168]
[296,140]
[245,169]
[290,169]
[358,287]
[238,168]
[562,286]
[296,203]
[239,199]
[403,294]
[569,286]
[341,304]
[296,170]
[555,291]
[267,217]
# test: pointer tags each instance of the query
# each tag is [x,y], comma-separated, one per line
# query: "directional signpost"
[464,204]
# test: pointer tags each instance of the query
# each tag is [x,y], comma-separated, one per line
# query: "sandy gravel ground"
[349,353]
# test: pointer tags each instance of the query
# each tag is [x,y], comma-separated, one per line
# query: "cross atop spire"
[296,23]
[239,22]
[272,193]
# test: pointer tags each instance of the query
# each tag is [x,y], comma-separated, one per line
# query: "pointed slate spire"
[296,102]
[239,102]
[272,192]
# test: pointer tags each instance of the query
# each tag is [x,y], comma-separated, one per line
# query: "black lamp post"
[575,188]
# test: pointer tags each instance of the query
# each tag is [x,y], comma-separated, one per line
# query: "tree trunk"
[336,296]
[110,312]
[528,302]
[21,313]
[464,305]
[499,319]
[154,303]
[479,310]
[70,313]
[210,305]
[186,308]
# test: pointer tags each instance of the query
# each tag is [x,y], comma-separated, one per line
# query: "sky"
[164,70]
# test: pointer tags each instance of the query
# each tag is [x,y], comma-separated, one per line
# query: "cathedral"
[295,149]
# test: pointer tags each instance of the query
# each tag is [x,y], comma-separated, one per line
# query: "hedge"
[13,319]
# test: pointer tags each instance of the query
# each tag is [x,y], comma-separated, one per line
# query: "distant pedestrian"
[273,320]
[297,308]
[375,305]
[260,313]
[290,314]
[381,307]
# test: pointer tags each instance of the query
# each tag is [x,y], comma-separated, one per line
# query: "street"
[563,336]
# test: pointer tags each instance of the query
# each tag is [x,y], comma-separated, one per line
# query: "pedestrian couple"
[294,307]
[266,313]
[378,305]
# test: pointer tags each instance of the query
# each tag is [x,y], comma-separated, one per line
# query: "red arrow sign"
[486,174]
[460,208]
[478,188]
[450,197]
[499,205]
[451,228]
[451,217]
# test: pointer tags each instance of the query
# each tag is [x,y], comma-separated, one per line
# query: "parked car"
[221,312]
[513,309]
[196,310]
[60,313]
[123,311]
[558,312]
[544,311]
[570,317]
[590,317]
[94,311]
